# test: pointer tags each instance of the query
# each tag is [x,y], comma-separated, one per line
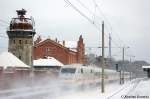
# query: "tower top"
[21,22]
[21,12]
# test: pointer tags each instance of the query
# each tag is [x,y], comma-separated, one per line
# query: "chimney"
[63,42]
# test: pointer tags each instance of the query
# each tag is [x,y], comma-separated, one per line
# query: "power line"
[107,21]
[3,21]
[96,24]
[3,36]
[3,25]
[69,3]
[91,21]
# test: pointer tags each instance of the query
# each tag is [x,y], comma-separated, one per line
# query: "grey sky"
[129,20]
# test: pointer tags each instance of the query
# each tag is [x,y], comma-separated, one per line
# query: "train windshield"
[68,70]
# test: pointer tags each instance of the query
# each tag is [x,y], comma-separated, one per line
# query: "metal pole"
[109,46]
[103,90]
[123,65]
[120,77]
[130,76]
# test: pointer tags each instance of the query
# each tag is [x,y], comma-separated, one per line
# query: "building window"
[20,42]
[47,50]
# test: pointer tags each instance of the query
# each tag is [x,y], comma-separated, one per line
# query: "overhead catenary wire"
[96,24]
[90,20]
[3,37]
[81,13]
[3,21]
[109,24]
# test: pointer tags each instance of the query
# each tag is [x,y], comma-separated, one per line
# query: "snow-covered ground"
[135,89]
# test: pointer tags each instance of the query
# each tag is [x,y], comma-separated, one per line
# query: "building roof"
[49,61]
[72,45]
[145,66]
[7,59]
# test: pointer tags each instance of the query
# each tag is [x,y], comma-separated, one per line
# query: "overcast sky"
[129,20]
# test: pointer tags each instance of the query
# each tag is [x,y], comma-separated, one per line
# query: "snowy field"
[135,89]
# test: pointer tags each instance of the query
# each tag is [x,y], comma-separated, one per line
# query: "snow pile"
[7,59]
[50,61]
[145,66]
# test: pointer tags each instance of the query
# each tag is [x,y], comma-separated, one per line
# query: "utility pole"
[130,65]
[123,65]
[109,46]
[102,82]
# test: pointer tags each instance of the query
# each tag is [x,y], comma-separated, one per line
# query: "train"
[77,73]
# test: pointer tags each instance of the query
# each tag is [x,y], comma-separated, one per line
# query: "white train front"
[77,73]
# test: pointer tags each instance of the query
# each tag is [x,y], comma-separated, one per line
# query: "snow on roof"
[7,59]
[50,61]
[145,66]
[71,44]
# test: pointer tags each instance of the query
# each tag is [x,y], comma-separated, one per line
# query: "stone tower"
[21,32]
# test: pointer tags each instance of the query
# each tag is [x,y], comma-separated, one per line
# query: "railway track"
[135,82]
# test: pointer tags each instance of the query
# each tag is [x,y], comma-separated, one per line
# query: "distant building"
[20,33]
[65,52]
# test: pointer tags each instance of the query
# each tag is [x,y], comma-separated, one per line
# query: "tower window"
[14,41]
[26,42]
[30,42]
[20,42]
[20,57]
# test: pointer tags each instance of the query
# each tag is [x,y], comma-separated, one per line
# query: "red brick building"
[60,50]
